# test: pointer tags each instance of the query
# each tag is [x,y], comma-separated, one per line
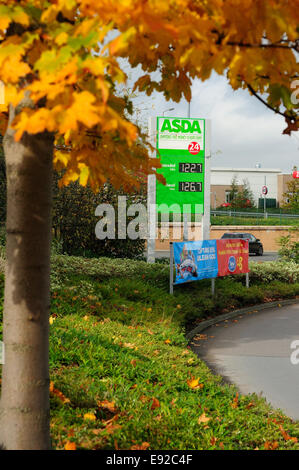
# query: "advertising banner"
[232,254]
[195,260]
[208,259]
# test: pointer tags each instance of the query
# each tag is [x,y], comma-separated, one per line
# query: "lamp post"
[166,110]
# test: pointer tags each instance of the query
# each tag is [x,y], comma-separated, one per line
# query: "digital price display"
[190,167]
[190,187]
[181,148]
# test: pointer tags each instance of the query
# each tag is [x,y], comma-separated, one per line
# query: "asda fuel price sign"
[181,146]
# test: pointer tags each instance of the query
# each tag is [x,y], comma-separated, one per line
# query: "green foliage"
[292,194]
[118,335]
[74,221]
[240,197]
[289,248]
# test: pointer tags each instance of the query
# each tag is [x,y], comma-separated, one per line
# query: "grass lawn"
[233,220]
[122,374]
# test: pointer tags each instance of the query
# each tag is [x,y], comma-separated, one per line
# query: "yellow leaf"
[61,38]
[89,417]
[194,383]
[203,419]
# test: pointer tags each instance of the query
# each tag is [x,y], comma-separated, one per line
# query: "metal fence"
[257,215]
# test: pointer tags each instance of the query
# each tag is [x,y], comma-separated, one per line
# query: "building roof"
[253,170]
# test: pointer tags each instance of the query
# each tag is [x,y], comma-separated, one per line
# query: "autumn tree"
[59,61]
[240,196]
[292,196]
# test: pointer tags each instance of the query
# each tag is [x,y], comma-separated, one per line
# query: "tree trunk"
[24,406]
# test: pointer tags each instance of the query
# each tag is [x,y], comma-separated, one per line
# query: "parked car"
[255,245]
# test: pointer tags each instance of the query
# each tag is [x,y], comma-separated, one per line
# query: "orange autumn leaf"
[70,446]
[167,341]
[235,402]
[143,446]
[250,405]
[155,404]
[270,445]
[57,393]
[107,405]
[286,436]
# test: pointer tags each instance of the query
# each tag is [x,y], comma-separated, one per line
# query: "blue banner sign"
[195,260]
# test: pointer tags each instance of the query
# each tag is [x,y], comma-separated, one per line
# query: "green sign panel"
[181,147]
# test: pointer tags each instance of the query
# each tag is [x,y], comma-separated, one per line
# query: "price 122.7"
[190,167]
[190,187]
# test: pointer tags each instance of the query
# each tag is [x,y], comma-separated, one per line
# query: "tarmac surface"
[253,351]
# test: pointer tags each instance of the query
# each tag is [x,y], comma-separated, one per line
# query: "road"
[254,352]
[266,256]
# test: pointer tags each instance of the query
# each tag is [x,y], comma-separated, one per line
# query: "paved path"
[254,353]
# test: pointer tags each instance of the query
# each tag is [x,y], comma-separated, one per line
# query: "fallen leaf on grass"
[270,445]
[143,446]
[213,441]
[57,393]
[250,405]
[203,419]
[70,446]
[185,352]
[110,429]
[129,345]
[107,405]
[194,383]
[167,341]
[89,417]
[235,402]
[286,436]
[155,404]
[133,362]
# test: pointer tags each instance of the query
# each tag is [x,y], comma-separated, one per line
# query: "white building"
[221,179]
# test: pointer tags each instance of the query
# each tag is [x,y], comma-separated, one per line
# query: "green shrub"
[74,221]
[289,249]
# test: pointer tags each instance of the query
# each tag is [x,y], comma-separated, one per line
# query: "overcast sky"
[244,131]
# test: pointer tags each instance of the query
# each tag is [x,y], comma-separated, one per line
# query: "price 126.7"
[190,187]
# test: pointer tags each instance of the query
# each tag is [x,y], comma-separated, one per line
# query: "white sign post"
[2,353]
[185,148]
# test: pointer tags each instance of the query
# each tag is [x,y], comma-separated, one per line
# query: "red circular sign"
[194,148]
[295,174]
[265,190]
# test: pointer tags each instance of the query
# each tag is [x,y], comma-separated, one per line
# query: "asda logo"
[180,125]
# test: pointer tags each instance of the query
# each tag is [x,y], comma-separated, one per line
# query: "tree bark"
[24,406]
